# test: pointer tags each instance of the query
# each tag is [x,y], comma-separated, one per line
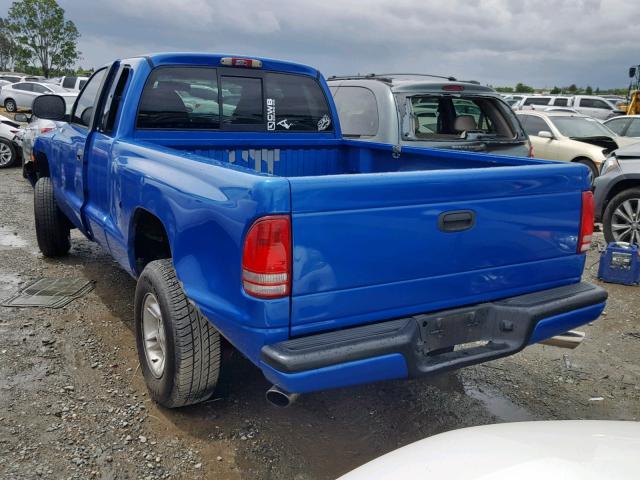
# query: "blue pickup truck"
[224,186]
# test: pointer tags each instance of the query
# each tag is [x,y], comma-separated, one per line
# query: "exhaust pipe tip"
[278,397]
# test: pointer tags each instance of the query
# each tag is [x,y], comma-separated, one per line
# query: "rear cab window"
[206,98]
[443,117]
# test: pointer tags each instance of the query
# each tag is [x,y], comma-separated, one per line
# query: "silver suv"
[426,110]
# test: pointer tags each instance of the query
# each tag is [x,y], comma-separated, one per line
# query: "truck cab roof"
[422,83]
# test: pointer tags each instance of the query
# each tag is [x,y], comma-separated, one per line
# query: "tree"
[572,88]
[504,89]
[46,37]
[589,90]
[522,88]
[555,91]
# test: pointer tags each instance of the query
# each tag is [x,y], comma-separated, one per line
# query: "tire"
[52,228]
[623,209]
[183,365]
[10,105]
[590,165]
[8,153]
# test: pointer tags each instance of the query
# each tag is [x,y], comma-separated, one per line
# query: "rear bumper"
[422,344]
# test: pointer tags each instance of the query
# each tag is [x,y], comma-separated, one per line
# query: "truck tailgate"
[379,246]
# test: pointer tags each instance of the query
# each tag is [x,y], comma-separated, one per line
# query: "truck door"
[67,164]
[99,203]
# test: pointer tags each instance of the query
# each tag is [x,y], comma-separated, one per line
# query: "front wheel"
[10,105]
[621,218]
[52,227]
[8,153]
[178,348]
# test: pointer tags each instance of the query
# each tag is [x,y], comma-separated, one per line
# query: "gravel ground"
[73,403]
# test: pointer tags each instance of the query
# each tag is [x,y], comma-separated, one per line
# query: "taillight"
[586,222]
[453,88]
[266,258]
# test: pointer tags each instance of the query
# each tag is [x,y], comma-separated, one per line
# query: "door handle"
[456,221]
[80,154]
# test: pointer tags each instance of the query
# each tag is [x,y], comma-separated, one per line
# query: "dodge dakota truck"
[224,186]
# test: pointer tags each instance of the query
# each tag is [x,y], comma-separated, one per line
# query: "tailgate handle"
[456,221]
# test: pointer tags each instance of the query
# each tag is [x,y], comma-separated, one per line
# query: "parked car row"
[591,105]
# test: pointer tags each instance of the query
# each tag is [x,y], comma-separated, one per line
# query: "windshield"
[443,118]
[580,127]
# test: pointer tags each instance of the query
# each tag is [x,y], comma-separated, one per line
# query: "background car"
[21,94]
[10,151]
[594,106]
[567,450]
[435,112]
[73,83]
[19,77]
[617,196]
[539,102]
[625,125]
[35,127]
[571,138]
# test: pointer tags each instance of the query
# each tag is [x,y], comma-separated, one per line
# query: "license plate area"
[469,331]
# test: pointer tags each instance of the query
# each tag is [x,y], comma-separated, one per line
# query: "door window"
[594,103]
[618,125]
[25,87]
[83,109]
[40,88]
[112,103]
[358,111]
[560,102]
[537,101]
[69,82]
[533,125]
[634,128]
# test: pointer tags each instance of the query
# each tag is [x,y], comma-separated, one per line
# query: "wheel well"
[7,99]
[620,187]
[579,159]
[150,240]
[41,164]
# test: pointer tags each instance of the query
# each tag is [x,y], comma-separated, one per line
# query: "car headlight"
[609,165]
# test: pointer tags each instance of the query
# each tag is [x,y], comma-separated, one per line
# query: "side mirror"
[50,107]
[22,118]
[546,134]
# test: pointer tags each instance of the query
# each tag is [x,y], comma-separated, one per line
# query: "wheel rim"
[10,106]
[5,154]
[625,222]
[154,335]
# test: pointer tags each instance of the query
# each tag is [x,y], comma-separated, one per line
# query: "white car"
[10,151]
[21,94]
[556,450]
[570,138]
[73,84]
[625,126]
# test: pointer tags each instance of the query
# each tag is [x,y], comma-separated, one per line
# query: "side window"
[533,125]
[83,109]
[26,87]
[560,102]
[537,101]
[618,125]
[601,104]
[180,98]
[82,84]
[587,103]
[69,82]
[634,128]
[296,103]
[358,111]
[40,89]
[112,103]
[241,101]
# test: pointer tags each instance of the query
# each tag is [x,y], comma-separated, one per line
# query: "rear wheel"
[8,153]
[621,219]
[10,105]
[178,348]
[52,227]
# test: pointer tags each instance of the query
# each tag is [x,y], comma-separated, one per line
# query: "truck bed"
[319,158]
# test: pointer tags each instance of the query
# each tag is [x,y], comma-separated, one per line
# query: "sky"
[499,42]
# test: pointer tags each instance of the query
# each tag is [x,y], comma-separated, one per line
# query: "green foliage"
[522,88]
[588,90]
[555,91]
[43,35]
[504,89]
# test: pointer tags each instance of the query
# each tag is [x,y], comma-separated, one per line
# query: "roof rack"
[387,77]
